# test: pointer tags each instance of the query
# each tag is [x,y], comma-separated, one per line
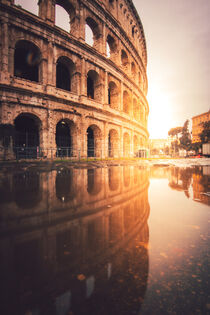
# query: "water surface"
[111,240]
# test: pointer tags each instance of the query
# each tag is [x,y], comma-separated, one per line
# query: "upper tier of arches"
[90,21]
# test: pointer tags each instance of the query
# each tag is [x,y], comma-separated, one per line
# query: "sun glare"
[160,116]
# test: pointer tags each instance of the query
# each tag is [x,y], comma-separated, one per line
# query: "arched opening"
[124,58]
[92,85]
[108,50]
[64,72]
[65,186]
[113,95]
[94,144]
[142,114]
[110,46]
[126,145]
[136,110]
[64,15]
[30,6]
[133,70]
[26,189]
[133,31]
[62,18]
[92,33]
[90,143]
[126,102]
[26,142]
[26,61]
[113,143]
[63,139]
[88,35]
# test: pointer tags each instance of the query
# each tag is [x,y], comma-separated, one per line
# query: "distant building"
[159,144]
[197,125]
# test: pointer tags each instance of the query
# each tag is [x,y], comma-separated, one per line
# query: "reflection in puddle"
[83,247]
[65,185]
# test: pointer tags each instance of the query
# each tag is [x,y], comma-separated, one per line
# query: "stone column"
[106,135]
[103,42]
[50,63]
[83,82]
[82,23]
[121,96]
[121,141]
[105,100]
[4,74]
[131,144]
[47,10]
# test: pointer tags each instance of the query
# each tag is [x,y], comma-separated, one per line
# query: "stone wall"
[52,76]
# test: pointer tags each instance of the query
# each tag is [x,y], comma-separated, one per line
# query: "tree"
[205,134]
[185,139]
[174,132]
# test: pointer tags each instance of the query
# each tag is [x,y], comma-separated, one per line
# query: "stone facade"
[59,95]
[197,125]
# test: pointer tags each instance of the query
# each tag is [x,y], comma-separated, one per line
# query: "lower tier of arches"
[31,134]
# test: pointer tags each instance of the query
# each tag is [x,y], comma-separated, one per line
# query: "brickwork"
[197,127]
[52,76]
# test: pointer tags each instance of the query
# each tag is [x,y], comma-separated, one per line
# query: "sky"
[178,48]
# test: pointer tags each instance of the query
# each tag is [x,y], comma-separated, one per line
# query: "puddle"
[108,240]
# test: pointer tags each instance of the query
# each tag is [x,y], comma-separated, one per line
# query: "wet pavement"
[104,239]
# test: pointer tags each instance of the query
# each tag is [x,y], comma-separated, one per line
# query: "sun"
[160,116]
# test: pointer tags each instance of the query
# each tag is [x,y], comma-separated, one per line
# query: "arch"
[94,144]
[89,35]
[64,15]
[92,32]
[126,102]
[126,145]
[113,143]
[65,130]
[124,58]
[65,69]
[133,31]
[93,88]
[133,70]
[26,139]
[136,110]
[62,18]
[30,6]
[27,59]
[113,95]
[111,47]
[64,185]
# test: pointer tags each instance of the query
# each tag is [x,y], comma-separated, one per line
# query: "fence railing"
[22,152]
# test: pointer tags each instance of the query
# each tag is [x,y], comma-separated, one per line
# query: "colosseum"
[77,91]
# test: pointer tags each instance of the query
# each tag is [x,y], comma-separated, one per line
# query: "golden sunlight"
[160,116]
